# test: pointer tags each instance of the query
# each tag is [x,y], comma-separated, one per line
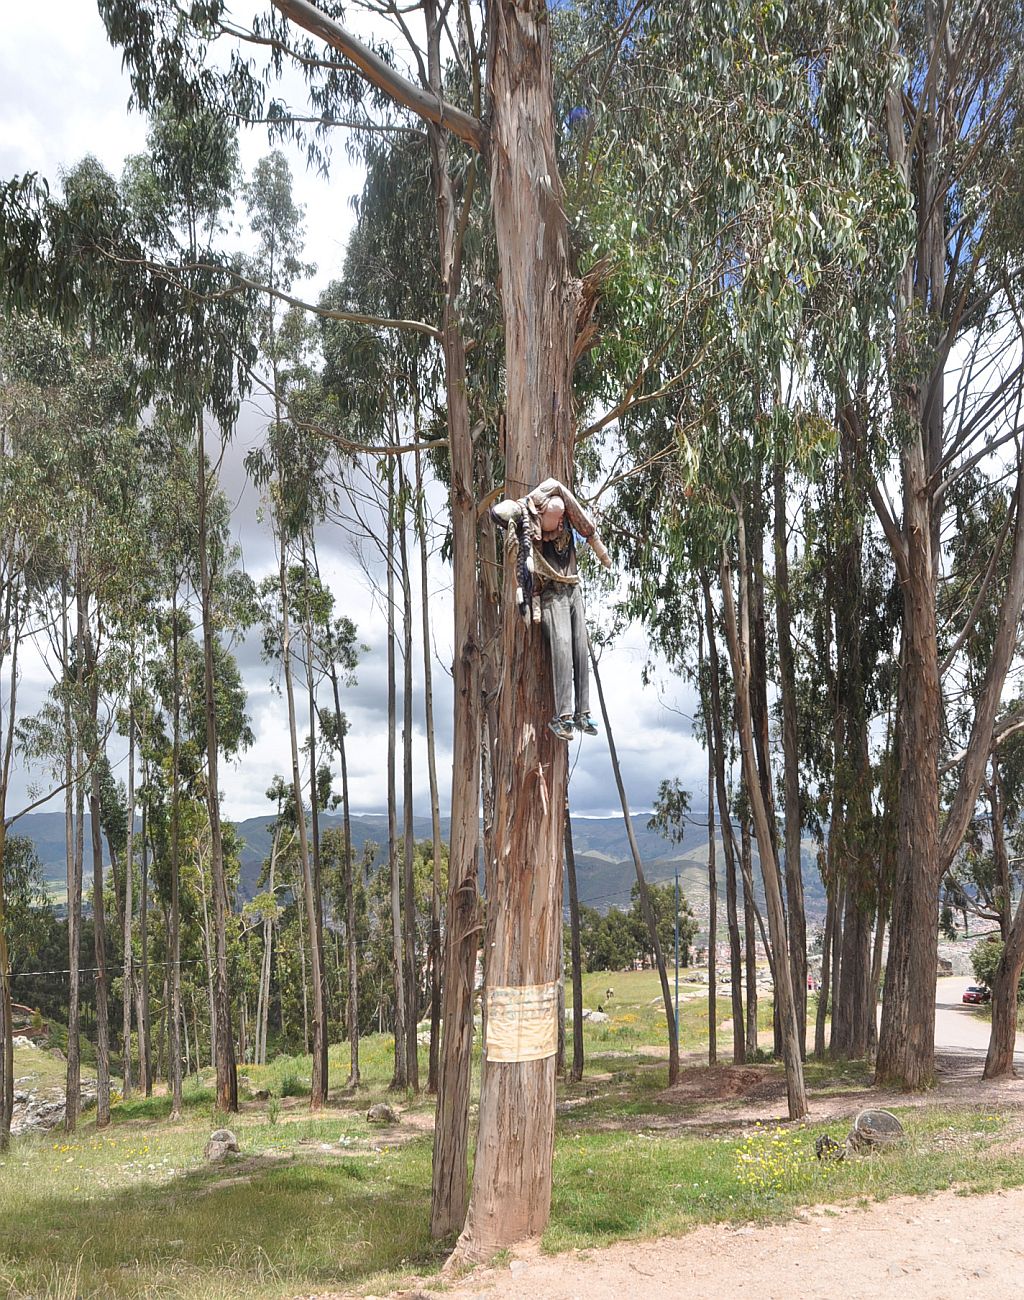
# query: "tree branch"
[429,107]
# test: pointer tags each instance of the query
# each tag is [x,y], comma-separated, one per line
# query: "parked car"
[977,993]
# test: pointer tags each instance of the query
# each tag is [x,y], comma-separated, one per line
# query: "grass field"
[332,1203]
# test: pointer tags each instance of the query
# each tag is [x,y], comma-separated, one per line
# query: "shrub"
[985,958]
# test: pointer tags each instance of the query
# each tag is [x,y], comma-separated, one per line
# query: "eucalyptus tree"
[282,469]
[952,132]
[179,191]
[28,351]
[544,307]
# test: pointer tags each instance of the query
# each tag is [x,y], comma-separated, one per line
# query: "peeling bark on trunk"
[512,1179]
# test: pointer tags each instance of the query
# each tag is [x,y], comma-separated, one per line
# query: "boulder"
[21,1041]
[222,1144]
[381,1113]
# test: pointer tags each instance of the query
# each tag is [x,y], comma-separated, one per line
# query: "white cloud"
[63,94]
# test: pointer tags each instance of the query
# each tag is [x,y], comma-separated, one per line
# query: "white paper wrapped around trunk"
[522,1022]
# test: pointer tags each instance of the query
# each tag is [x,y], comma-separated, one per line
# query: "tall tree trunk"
[400,1076]
[1002,1040]
[11,637]
[716,732]
[99,927]
[576,1073]
[462,923]
[227,1075]
[790,755]
[712,915]
[320,1067]
[434,948]
[6,1009]
[175,917]
[749,932]
[826,971]
[318,1085]
[263,1014]
[646,907]
[352,956]
[738,635]
[209,954]
[541,299]
[74,802]
[128,967]
[142,1013]
[408,839]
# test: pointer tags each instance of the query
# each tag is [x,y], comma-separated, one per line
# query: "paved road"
[957,1027]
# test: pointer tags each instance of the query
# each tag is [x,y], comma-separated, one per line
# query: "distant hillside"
[604,866]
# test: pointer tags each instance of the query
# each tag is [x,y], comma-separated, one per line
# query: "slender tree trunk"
[408,845]
[826,972]
[400,1077]
[6,1009]
[320,1066]
[305,983]
[1002,1040]
[318,1086]
[11,636]
[646,907]
[142,1014]
[576,1074]
[128,968]
[749,933]
[208,947]
[461,939]
[73,824]
[175,918]
[227,1075]
[712,915]
[351,953]
[434,953]
[790,756]
[738,635]
[99,927]
[716,732]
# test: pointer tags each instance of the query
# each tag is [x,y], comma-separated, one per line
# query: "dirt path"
[942,1247]
[957,1027]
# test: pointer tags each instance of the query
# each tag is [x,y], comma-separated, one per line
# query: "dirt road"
[957,1027]
[942,1247]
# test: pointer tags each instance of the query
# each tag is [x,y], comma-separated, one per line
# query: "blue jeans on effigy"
[565,630]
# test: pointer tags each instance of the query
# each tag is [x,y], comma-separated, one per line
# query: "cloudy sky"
[63,95]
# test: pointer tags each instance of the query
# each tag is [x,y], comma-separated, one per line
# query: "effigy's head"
[552,515]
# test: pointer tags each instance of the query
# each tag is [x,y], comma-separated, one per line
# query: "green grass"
[135,1212]
[329,1203]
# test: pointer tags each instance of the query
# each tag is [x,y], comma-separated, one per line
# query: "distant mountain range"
[604,864]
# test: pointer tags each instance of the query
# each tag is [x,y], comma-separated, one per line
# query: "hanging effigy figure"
[541,530]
